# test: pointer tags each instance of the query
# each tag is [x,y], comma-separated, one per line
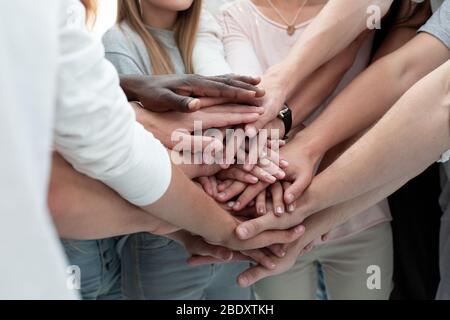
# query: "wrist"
[312,145]
[282,76]
[225,232]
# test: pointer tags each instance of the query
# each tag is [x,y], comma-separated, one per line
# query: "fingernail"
[237,205]
[194,104]
[272,265]
[251,132]
[243,281]
[291,208]
[299,229]
[283,253]
[254,179]
[281,174]
[230,204]
[222,195]
[242,232]
[280,210]
[270,178]
[261,210]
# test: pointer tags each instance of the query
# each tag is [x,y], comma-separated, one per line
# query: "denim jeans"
[99,264]
[155,268]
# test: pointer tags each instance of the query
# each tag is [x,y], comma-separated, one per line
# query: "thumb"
[294,191]
[181,103]
[252,129]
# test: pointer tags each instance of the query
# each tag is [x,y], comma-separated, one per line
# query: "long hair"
[403,13]
[186,27]
[91,11]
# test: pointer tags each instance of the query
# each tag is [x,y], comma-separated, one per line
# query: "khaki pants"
[345,263]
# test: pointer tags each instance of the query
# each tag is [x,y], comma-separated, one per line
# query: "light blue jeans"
[155,268]
[99,264]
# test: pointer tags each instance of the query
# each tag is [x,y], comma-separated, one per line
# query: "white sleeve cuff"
[148,180]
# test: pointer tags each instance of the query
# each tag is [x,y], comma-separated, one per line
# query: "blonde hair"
[91,11]
[185,32]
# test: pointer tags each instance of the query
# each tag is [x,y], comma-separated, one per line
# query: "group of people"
[357,92]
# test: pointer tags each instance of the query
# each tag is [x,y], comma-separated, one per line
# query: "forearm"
[83,208]
[336,26]
[370,95]
[187,207]
[312,92]
[411,136]
[324,221]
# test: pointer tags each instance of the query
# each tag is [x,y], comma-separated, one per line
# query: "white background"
[106,16]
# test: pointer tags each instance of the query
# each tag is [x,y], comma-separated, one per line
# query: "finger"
[261,203]
[263,175]
[271,168]
[237,174]
[271,237]
[309,247]
[206,249]
[251,228]
[290,207]
[228,108]
[297,188]
[206,185]
[276,158]
[195,144]
[277,198]
[236,81]
[224,185]
[261,257]
[225,87]
[278,250]
[174,101]
[248,195]
[252,129]
[252,275]
[213,182]
[325,237]
[247,79]
[247,212]
[236,188]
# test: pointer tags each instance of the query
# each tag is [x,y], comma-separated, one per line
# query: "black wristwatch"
[286,116]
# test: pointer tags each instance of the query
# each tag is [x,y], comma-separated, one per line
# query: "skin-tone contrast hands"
[172,128]
[187,93]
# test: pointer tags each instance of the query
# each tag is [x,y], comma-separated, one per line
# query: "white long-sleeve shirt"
[57,88]
[209,54]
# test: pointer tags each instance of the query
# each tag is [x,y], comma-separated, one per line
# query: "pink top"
[253,43]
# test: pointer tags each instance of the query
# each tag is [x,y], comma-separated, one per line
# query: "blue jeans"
[100,267]
[155,268]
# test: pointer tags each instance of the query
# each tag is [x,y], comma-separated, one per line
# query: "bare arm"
[83,208]
[337,25]
[411,136]
[368,97]
[364,101]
